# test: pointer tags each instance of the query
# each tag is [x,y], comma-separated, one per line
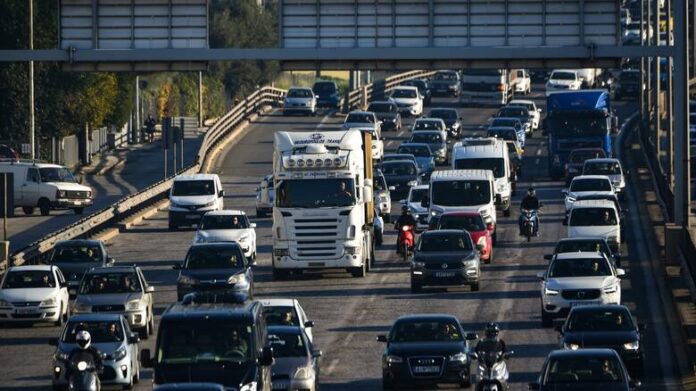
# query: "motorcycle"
[84,377]
[492,373]
[528,217]
[405,241]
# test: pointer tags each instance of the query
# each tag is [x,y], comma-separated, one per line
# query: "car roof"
[600,307]
[593,352]
[581,177]
[29,268]
[94,317]
[564,70]
[579,254]
[278,302]
[195,177]
[398,161]
[444,232]
[603,160]
[593,204]
[225,212]
[112,269]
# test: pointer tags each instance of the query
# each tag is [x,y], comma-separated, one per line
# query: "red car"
[471,222]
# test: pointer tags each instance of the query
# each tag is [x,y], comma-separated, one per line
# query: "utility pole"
[200,99]
[31,82]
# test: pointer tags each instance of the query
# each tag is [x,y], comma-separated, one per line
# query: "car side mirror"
[382,338]
[53,341]
[533,386]
[150,289]
[221,193]
[146,358]
[620,273]
[133,338]
[316,96]
[316,353]
[110,261]
[177,266]
[266,357]
[541,275]
[309,324]
[548,257]
[471,336]
[252,225]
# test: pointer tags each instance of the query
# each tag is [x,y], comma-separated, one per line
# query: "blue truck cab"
[577,119]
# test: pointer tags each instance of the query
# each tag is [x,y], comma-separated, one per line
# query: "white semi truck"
[324,207]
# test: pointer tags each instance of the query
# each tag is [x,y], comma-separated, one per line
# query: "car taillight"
[502,87]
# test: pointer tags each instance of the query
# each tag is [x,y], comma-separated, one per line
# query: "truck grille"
[76,194]
[581,294]
[316,238]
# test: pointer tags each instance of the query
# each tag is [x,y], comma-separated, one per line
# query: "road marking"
[537,161]
[322,123]
[332,365]
[538,152]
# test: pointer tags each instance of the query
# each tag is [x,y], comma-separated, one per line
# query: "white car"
[192,196]
[534,111]
[578,278]
[523,82]
[265,195]
[228,226]
[377,142]
[34,294]
[300,100]
[416,194]
[408,99]
[563,80]
[429,124]
[286,312]
[609,167]
[596,218]
[585,185]
[362,119]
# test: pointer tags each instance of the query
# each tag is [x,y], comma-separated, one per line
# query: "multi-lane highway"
[350,312]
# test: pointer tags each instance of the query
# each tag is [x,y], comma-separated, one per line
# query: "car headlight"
[60,356]
[417,265]
[631,345]
[211,203]
[550,292]
[243,239]
[4,303]
[120,353]
[611,288]
[459,357]
[49,302]
[249,387]
[236,279]
[613,239]
[132,305]
[303,373]
[571,346]
[81,307]
[186,280]
[391,359]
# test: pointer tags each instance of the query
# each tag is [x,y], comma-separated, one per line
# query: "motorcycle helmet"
[83,339]
[492,330]
[405,210]
[531,192]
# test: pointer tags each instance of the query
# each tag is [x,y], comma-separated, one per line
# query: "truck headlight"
[631,345]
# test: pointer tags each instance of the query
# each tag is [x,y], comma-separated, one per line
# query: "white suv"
[192,196]
[596,218]
[563,80]
[584,185]
[578,278]
[408,99]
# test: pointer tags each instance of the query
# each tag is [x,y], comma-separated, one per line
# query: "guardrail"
[223,128]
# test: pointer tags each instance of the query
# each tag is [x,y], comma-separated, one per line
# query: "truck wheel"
[359,271]
[28,210]
[78,211]
[44,207]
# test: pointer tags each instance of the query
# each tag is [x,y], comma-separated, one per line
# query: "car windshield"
[585,217]
[19,279]
[590,184]
[300,93]
[427,138]
[77,254]
[461,193]
[572,246]
[427,125]
[425,331]
[193,188]
[315,193]
[417,195]
[446,76]
[56,174]
[584,370]
[497,165]
[211,341]
[563,76]
[503,133]
[280,316]
[324,87]
[359,118]
[419,151]
[404,93]
[439,242]
[468,223]
[507,122]
[287,344]
[579,267]
[399,169]
[99,332]
[380,183]
[602,168]
[581,156]
[108,283]
[408,157]
[513,112]
[444,114]
[382,108]
[600,320]
[223,222]
[218,257]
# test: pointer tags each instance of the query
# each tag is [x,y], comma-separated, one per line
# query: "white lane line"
[537,161]
[538,153]
[322,123]
[332,365]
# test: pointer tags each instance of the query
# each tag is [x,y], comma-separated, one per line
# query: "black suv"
[388,113]
[424,351]
[629,84]
[445,258]
[218,343]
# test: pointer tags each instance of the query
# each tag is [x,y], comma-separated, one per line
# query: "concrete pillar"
[674,234]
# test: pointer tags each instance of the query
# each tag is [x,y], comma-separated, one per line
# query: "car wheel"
[28,210]
[475,286]
[78,211]
[415,288]
[546,320]
[379,238]
[61,318]
[44,207]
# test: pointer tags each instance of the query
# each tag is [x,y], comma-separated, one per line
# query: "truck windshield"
[497,165]
[315,193]
[193,188]
[580,125]
[204,341]
[56,174]
[461,193]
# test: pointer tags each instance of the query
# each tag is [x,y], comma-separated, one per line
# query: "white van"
[463,190]
[493,157]
[191,196]
[595,218]
[46,186]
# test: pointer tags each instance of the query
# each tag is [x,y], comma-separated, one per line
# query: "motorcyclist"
[530,202]
[406,218]
[84,352]
[491,343]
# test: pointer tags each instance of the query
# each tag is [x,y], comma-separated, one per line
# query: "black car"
[446,83]
[75,257]
[451,118]
[215,267]
[423,88]
[519,112]
[327,94]
[388,113]
[583,369]
[585,244]
[628,85]
[401,174]
[605,326]
[445,257]
[426,350]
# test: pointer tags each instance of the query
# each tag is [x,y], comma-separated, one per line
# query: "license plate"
[581,303]
[192,216]
[280,385]
[25,310]
[77,202]
[444,274]
[427,369]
